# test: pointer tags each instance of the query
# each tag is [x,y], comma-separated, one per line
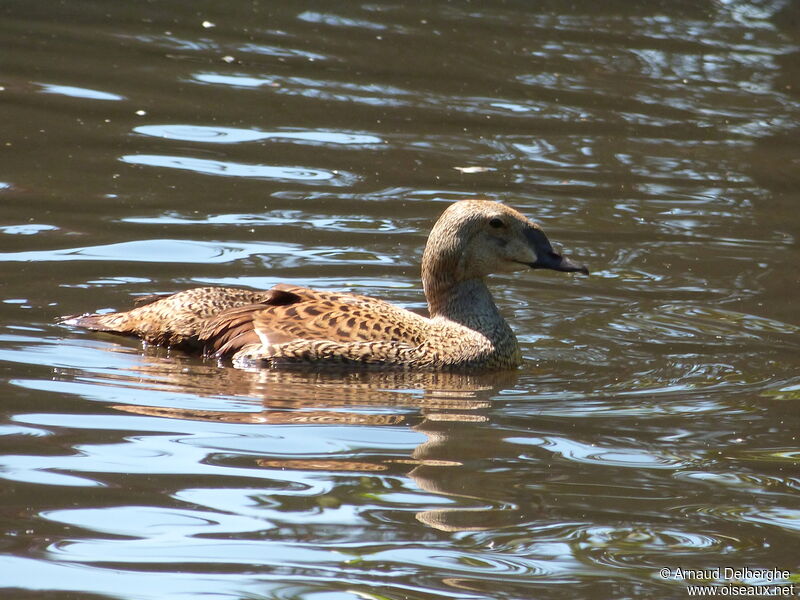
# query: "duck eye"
[496,223]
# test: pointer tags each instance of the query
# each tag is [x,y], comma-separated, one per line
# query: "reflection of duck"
[289,325]
[445,413]
[430,392]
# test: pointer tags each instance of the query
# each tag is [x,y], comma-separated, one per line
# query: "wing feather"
[291,313]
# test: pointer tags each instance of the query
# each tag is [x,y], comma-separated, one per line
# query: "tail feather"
[91,321]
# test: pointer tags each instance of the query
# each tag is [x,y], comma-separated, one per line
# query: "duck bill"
[546,257]
[556,262]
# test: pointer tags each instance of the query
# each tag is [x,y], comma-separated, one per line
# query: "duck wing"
[171,319]
[291,313]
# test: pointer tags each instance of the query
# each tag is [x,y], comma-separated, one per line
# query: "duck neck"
[468,303]
[453,292]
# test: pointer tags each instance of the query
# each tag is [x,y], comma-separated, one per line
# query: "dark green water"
[151,147]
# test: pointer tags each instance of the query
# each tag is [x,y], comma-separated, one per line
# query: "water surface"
[654,423]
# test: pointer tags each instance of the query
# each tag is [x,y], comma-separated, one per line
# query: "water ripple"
[654,420]
[232,169]
[182,251]
[153,522]
[233,135]
[638,458]
[641,547]
[695,324]
[78,92]
[351,223]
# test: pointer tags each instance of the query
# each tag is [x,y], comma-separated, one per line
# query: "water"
[151,148]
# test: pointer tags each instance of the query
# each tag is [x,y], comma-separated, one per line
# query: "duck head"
[475,238]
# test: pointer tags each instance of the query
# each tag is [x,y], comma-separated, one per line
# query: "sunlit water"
[654,424]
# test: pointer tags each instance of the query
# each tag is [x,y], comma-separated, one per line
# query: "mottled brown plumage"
[291,325]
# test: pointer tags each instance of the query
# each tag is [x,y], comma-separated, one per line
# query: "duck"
[290,325]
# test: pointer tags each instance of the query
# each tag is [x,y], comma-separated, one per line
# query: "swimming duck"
[290,325]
